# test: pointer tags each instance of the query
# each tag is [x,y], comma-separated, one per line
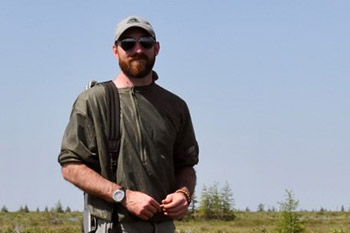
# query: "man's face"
[137,61]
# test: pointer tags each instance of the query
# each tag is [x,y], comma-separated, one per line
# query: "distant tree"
[227,202]
[193,203]
[261,207]
[4,209]
[215,203]
[46,209]
[204,208]
[214,197]
[342,209]
[58,207]
[226,196]
[24,209]
[290,220]
[208,197]
[68,210]
[37,209]
[247,209]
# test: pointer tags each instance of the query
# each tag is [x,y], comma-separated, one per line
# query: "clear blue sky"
[267,83]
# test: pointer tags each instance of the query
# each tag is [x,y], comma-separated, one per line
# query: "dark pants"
[135,227]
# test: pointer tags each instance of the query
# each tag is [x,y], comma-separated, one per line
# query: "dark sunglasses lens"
[128,43]
[147,42]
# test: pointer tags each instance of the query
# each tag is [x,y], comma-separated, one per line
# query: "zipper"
[138,125]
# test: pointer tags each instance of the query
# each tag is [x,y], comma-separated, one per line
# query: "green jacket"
[157,138]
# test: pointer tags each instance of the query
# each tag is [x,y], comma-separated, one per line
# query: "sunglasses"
[128,44]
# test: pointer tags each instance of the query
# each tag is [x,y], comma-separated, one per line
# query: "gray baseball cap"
[133,21]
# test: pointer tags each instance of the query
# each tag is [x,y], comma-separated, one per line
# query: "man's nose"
[138,48]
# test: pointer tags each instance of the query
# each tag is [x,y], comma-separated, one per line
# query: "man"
[155,177]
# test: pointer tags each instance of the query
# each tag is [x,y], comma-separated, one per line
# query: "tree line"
[216,202]
[58,208]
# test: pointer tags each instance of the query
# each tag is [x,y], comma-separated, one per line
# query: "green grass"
[245,222]
[45,222]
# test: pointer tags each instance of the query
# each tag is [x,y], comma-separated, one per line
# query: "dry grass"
[245,222]
[264,222]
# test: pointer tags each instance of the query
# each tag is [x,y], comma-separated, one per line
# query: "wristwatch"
[119,195]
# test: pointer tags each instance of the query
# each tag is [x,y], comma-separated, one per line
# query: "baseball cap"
[133,21]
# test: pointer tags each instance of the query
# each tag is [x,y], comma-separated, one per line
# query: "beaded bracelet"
[187,195]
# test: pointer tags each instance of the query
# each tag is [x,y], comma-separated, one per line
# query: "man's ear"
[156,48]
[115,51]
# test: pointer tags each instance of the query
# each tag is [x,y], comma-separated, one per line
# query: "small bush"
[4,209]
[290,221]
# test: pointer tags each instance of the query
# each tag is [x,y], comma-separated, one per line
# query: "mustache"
[139,56]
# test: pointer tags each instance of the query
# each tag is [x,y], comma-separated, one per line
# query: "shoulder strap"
[94,206]
[113,121]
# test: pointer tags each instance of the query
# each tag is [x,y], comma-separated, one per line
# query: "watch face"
[118,195]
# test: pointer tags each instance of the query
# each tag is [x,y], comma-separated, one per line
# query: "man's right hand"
[141,205]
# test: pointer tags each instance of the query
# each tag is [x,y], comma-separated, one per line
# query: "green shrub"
[216,203]
[290,220]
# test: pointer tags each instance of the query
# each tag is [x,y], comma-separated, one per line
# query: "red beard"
[138,66]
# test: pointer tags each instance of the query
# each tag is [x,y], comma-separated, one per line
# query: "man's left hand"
[175,205]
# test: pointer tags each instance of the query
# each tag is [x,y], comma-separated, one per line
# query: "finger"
[167,200]
[177,215]
[146,214]
[176,209]
[174,204]
[155,206]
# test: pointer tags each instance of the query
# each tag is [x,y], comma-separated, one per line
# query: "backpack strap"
[113,137]
[113,121]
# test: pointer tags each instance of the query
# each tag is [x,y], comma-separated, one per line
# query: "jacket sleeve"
[79,144]
[186,151]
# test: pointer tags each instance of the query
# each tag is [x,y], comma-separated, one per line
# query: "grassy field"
[265,222]
[245,222]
